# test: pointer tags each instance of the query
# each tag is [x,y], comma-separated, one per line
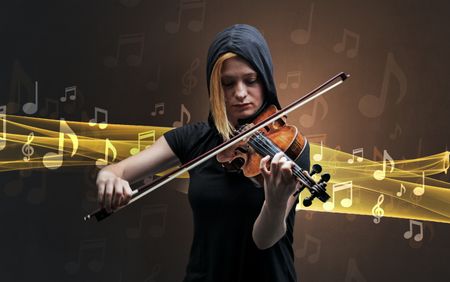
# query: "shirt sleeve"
[182,140]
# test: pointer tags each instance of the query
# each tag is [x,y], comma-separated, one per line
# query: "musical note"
[372,106]
[301,36]
[353,273]
[19,80]
[28,150]
[359,158]
[153,85]
[446,160]
[3,134]
[189,80]
[295,75]
[94,121]
[402,190]
[183,112]
[351,52]
[37,195]
[419,191]
[44,111]
[377,210]
[159,108]
[53,160]
[408,234]
[143,135]
[397,132]
[102,162]
[73,93]
[381,174]
[315,242]
[31,107]
[155,229]
[346,202]
[318,157]
[128,40]
[155,271]
[193,25]
[130,3]
[307,120]
[95,264]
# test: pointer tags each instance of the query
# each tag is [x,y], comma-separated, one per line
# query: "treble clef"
[27,150]
[378,211]
[189,80]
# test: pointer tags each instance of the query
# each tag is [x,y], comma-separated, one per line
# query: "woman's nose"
[241,90]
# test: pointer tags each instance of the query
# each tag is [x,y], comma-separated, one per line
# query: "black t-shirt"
[225,206]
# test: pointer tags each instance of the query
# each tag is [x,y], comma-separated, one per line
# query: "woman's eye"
[227,84]
[252,81]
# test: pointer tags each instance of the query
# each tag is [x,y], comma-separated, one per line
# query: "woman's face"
[242,88]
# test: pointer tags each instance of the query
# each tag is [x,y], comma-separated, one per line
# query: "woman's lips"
[240,106]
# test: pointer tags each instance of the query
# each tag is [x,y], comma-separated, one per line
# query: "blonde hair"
[217,98]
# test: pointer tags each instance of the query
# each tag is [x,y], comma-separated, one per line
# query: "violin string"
[270,149]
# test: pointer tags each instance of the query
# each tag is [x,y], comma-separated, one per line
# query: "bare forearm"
[270,226]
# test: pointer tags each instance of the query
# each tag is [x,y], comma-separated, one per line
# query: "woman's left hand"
[279,182]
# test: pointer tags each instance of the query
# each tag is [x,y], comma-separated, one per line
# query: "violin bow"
[145,189]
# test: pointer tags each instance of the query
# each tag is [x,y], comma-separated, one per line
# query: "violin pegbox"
[318,189]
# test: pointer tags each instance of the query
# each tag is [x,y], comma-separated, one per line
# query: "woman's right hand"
[113,191]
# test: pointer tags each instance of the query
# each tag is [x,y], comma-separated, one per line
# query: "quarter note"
[53,160]
[381,174]
[141,136]
[184,112]
[44,111]
[32,107]
[301,36]
[419,191]
[3,121]
[153,84]
[103,124]
[318,157]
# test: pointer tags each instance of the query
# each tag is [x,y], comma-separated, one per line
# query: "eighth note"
[103,124]
[143,135]
[159,108]
[408,234]
[358,159]
[381,174]
[402,190]
[73,94]
[102,162]
[27,150]
[351,52]
[181,122]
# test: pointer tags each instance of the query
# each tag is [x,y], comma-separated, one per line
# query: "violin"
[252,136]
[277,136]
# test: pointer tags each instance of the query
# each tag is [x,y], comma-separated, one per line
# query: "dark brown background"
[65,43]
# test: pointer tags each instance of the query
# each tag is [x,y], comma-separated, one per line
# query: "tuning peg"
[308,200]
[325,177]
[315,169]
